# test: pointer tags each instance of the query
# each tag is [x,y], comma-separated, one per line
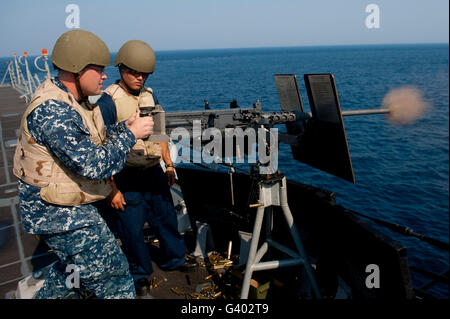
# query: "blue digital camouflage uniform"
[77,234]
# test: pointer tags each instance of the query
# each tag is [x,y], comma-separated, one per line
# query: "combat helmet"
[136,55]
[75,49]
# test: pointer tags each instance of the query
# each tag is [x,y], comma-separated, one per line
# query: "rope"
[404,230]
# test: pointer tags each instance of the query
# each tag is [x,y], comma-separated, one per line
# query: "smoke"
[406,104]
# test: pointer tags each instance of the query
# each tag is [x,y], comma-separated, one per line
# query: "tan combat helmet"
[136,55]
[76,49]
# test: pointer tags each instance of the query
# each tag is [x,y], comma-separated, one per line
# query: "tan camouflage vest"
[34,165]
[144,153]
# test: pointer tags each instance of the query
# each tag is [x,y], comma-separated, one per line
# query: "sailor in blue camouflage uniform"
[64,159]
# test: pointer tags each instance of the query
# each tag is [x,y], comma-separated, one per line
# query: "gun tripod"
[273,192]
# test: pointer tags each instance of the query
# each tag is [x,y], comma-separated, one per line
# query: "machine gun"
[317,138]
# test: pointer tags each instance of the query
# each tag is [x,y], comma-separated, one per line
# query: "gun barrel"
[365,112]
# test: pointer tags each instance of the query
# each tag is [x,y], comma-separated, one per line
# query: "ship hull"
[342,246]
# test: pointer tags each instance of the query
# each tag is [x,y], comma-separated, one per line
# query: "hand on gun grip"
[141,127]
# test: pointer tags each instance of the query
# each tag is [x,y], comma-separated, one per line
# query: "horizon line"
[303,46]
[275,47]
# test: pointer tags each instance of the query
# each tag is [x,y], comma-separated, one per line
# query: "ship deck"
[177,284]
[19,251]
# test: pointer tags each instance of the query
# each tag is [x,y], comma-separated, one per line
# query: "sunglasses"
[134,72]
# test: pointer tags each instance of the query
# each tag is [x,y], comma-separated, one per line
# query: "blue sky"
[198,24]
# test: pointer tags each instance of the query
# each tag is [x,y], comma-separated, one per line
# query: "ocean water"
[402,172]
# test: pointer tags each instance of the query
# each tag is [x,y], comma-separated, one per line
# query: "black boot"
[187,266]
[141,286]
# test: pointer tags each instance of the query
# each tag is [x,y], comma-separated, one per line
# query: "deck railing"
[25,82]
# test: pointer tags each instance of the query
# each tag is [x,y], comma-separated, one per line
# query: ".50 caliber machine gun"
[317,138]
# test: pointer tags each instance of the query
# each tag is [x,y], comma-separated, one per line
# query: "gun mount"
[159,119]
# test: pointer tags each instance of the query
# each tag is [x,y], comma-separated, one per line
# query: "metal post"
[29,77]
[296,237]
[17,69]
[275,194]
[252,252]
[269,226]
[44,56]
[21,85]
[12,75]
[38,81]
[6,73]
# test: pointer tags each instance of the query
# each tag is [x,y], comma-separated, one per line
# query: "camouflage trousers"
[102,267]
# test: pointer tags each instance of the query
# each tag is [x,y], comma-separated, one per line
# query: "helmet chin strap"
[127,88]
[84,101]
[142,88]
